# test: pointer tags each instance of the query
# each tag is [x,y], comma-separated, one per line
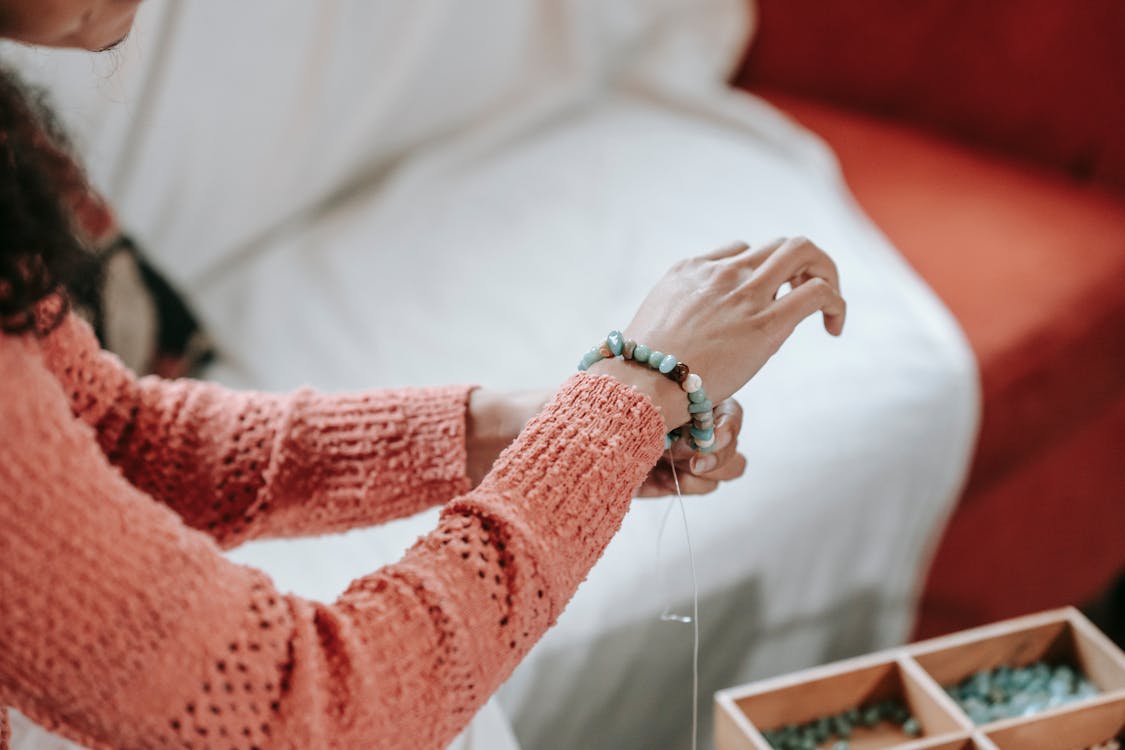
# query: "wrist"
[493,421]
[665,395]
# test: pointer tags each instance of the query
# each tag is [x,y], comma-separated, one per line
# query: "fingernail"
[703,465]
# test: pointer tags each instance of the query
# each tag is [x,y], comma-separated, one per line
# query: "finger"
[693,485]
[801,278]
[661,483]
[763,251]
[727,412]
[794,282]
[815,294]
[728,422]
[728,415]
[757,255]
[654,487]
[742,253]
[730,469]
[721,451]
[797,258]
[682,451]
[726,251]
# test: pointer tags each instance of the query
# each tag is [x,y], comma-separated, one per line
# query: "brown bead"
[679,373]
[605,351]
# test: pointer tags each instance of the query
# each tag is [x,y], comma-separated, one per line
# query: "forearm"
[242,465]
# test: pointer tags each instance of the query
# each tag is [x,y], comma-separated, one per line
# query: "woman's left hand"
[700,473]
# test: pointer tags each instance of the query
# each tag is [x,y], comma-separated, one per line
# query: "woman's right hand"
[721,314]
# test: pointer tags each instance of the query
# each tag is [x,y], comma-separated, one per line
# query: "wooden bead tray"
[915,674]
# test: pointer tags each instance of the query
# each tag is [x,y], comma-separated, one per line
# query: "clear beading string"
[667,615]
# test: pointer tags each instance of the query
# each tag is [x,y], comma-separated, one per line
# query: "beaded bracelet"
[701,435]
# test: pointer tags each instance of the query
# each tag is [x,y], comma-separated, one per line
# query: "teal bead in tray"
[1009,692]
[813,734]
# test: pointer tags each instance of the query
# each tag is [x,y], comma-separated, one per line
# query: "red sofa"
[987,141]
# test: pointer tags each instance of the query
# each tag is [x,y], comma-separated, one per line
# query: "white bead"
[706,443]
[692,383]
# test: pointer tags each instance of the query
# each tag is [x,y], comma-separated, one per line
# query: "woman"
[123,626]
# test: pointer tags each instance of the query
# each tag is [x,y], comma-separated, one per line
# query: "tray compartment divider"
[937,712]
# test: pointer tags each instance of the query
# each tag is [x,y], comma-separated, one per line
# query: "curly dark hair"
[41,250]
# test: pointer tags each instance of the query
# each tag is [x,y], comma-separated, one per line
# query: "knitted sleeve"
[243,465]
[121,627]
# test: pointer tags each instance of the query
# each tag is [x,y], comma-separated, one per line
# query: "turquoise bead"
[667,364]
[589,358]
[700,407]
[991,695]
[912,727]
[667,442]
[655,358]
[697,396]
[616,343]
[641,353]
[703,434]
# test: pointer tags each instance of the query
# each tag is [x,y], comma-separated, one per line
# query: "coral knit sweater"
[122,626]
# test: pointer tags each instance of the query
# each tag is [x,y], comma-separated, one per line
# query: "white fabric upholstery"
[361,194]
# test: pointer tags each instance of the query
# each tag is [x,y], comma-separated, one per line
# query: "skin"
[719,312]
[85,24]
